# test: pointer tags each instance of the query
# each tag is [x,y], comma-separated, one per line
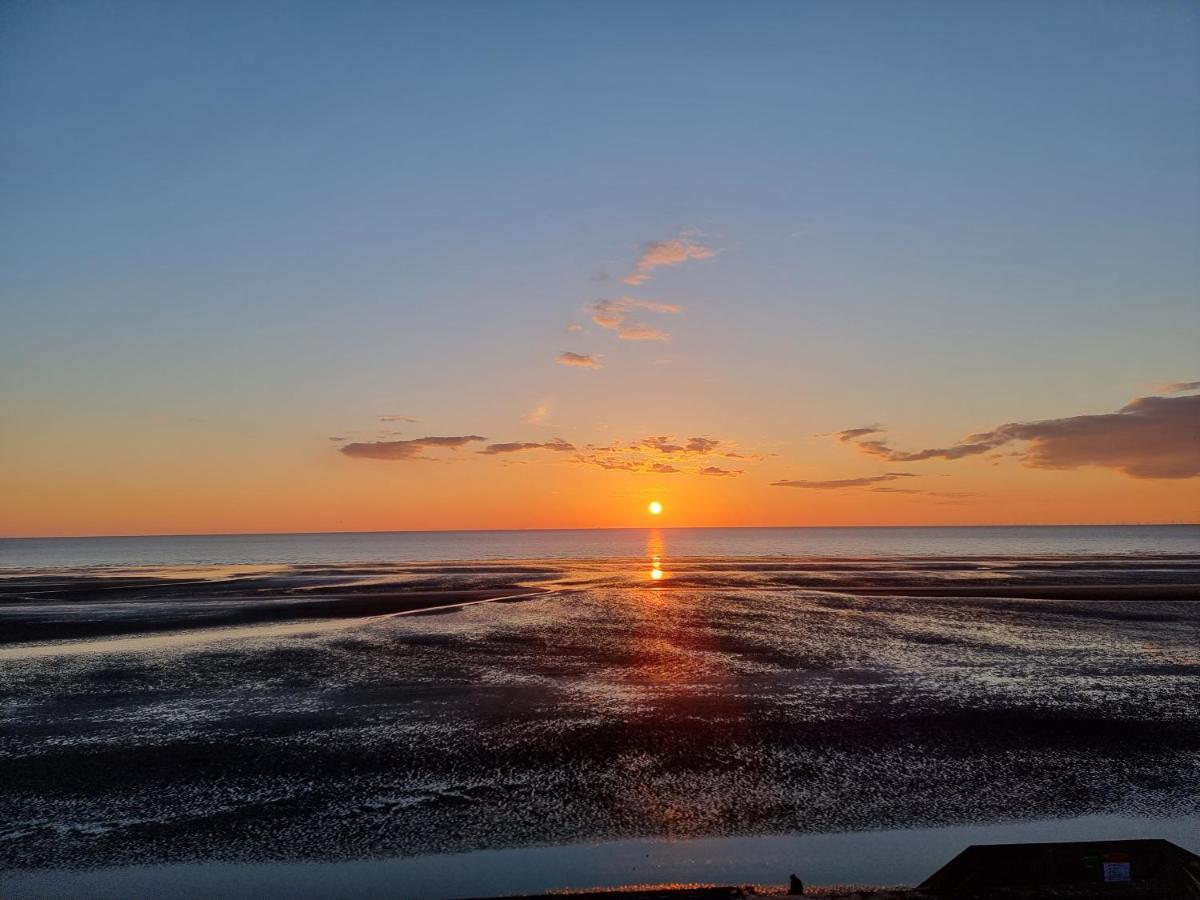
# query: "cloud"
[581,360]
[614,315]
[395,450]
[851,434]
[558,444]
[659,254]
[338,439]
[667,444]
[664,454]
[1150,437]
[574,328]
[642,333]
[396,419]
[1179,387]
[949,495]
[839,483]
[627,465]
[537,414]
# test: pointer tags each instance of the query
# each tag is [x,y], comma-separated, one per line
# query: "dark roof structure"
[1137,868]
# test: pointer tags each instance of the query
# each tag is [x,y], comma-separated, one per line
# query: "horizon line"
[216,534]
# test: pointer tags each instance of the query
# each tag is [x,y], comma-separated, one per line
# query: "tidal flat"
[390,711]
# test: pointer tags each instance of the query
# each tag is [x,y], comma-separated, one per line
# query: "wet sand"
[725,698]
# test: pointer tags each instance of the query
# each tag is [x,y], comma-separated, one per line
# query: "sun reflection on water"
[656,550]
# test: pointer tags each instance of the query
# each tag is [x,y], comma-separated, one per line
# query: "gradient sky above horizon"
[233,233]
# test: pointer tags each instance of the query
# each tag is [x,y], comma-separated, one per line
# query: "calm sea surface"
[403,546]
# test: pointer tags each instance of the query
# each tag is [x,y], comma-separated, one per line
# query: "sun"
[655,507]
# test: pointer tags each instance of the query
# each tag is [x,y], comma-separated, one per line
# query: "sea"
[489,713]
[609,543]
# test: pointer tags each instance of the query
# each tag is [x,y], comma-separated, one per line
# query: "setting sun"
[655,507]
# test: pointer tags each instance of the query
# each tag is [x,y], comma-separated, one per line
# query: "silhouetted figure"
[795,886]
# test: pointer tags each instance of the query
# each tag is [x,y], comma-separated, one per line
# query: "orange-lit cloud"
[1150,437]
[614,315]
[407,450]
[642,333]
[580,360]
[719,472]
[840,483]
[658,254]
[1179,387]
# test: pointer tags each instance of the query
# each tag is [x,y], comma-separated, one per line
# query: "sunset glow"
[506,449]
[308,316]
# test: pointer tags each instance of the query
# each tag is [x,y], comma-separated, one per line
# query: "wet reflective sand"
[608,699]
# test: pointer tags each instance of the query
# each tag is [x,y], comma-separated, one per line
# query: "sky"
[371,266]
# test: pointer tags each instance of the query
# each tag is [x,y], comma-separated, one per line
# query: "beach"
[723,698]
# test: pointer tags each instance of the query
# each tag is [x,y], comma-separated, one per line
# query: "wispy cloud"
[624,464]
[840,483]
[659,254]
[614,315]
[1179,387]
[948,495]
[642,333]
[558,445]
[665,454]
[397,419]
[1150,437]
[580,360]
[407,450]
[574,328]
[536,415]
[667,444]
[852,434]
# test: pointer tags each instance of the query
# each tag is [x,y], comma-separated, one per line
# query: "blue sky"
[284,220]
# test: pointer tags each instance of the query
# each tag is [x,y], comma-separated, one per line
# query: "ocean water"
[618,543]
[473,713]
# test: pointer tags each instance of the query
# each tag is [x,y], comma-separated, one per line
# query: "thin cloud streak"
[836,484]
[558,445]
[852,434]
[642,333]
[406,450]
